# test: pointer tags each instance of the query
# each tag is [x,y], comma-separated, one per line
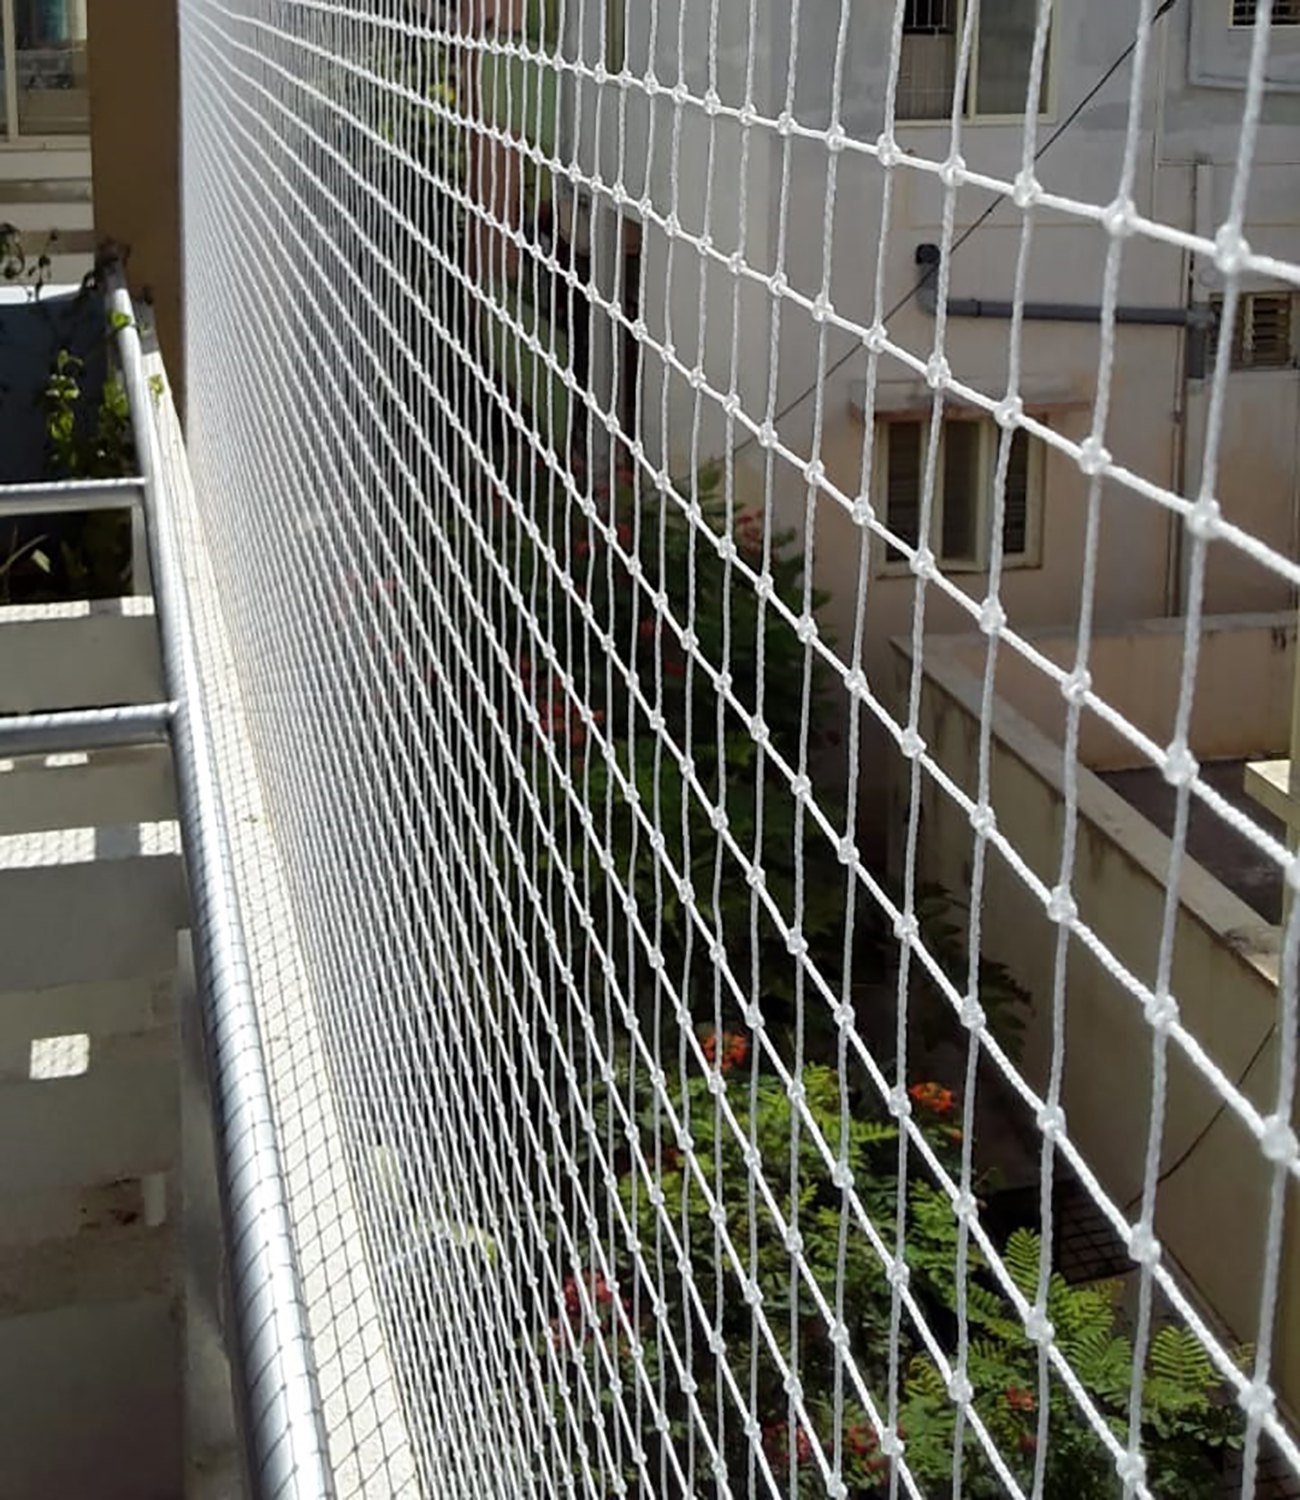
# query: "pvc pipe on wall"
[1048,312]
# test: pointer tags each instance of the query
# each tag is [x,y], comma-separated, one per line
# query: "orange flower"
[1019,1399]
[733,1051]
[934,1097]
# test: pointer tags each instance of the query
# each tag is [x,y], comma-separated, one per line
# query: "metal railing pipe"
[276,1391]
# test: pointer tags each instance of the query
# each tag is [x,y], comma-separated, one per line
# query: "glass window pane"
[905,452]
[1015,517]
[50,36]
[1006,46]
[961,491]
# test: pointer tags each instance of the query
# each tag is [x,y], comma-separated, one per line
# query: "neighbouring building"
[1226,941]
[45,157]
[750,205]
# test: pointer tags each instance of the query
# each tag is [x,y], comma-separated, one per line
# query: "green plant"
[78,450]
[84,442]
[654,575]
[1186,1423]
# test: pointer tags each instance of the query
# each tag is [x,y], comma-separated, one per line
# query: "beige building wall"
[135,136]
[1224,978]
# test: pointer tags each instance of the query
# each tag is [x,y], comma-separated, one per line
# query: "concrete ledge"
[116,1120]
[108,1265]
[53,1213]
[109,787]
[93,1010]
[89,653]
[90,1402]
[92,921]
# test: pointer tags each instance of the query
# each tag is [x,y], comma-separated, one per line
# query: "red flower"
[861,1439]
[934,1097]
[1018,1398]
[735,1052]
[749,531]
[646,629]
[601,1291]
[572,1297]
[674,668]
[734,1049]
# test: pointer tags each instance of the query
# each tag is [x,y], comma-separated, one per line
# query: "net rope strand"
[477,294]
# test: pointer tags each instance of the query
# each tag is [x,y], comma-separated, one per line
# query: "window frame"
[12,137]
[1288,20]
[989,436]
[1244,300]
[976,116]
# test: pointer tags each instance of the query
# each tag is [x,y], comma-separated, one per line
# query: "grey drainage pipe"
[1198,319]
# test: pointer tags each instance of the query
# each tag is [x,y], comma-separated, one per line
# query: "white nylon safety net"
[702,492]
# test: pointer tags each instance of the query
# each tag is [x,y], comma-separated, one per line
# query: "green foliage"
[665,572]
[89,441]
[1186,1424]
[101,449]
[732,1159]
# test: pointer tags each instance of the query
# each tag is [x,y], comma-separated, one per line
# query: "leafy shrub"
[1186,1426]
[716,1166]
[660,576]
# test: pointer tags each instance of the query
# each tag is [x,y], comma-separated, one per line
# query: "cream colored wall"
[1223,977]
[1256,482]
[1242,704]
[1131,573]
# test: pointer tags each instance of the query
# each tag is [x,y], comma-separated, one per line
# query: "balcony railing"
[674,1026]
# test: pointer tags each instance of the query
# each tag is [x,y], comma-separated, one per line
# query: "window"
[960,528]
[1262,337]
[1285,12]
[48,60]
[999,72]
